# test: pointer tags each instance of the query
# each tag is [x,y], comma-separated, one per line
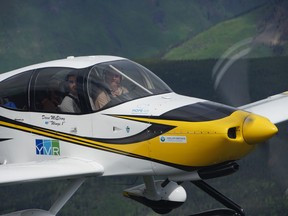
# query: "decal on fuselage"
[141,109]
[47,147]
[54,120]
[173,139]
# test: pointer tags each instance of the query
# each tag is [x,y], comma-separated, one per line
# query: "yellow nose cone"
[257,129]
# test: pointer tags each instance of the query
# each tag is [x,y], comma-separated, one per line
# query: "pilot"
[71,102]
[114,82]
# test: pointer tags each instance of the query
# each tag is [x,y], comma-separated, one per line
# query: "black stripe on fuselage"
[198,112]
[2,140]
[151,132]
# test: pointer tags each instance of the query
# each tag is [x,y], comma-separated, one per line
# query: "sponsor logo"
[47,147]
[141,109]
[173,139]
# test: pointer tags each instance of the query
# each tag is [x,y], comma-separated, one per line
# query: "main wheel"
[162,210]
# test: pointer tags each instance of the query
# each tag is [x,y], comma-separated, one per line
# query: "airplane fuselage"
[161,134]
[127,119]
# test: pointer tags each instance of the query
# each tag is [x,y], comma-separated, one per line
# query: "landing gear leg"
[232,208]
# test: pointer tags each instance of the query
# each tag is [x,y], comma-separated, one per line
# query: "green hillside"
[36,30]
[263,31]
[214,42]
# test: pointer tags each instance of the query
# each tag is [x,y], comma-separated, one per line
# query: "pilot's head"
[113,79]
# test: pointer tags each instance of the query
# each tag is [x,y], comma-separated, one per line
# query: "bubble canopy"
[100,84]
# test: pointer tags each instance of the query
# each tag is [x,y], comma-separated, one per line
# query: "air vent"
[232,133]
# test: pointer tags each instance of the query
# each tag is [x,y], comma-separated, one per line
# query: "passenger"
[53,99]
[114,82]
[10,104]
[71,102]
[6,103]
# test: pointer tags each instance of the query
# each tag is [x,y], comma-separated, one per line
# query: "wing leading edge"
[49,169]
[275,108]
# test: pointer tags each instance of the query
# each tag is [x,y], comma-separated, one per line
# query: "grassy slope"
[215,41]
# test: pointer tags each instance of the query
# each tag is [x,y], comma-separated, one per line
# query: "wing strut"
[61,201]
[57,205]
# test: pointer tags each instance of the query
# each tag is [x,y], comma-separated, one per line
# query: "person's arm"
[102,99]
[67,105]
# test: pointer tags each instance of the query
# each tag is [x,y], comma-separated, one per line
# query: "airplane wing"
[274,108]
[48,169]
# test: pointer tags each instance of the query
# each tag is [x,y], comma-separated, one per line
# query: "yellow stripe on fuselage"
[202,143]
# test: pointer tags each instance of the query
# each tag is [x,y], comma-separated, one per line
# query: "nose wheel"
[233,209]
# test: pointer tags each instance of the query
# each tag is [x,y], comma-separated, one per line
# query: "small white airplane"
[65,119]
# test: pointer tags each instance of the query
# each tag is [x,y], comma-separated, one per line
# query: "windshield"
[115,82]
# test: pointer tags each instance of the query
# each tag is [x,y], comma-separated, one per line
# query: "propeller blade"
[230,74]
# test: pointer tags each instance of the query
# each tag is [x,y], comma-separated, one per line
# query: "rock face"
[273,28]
